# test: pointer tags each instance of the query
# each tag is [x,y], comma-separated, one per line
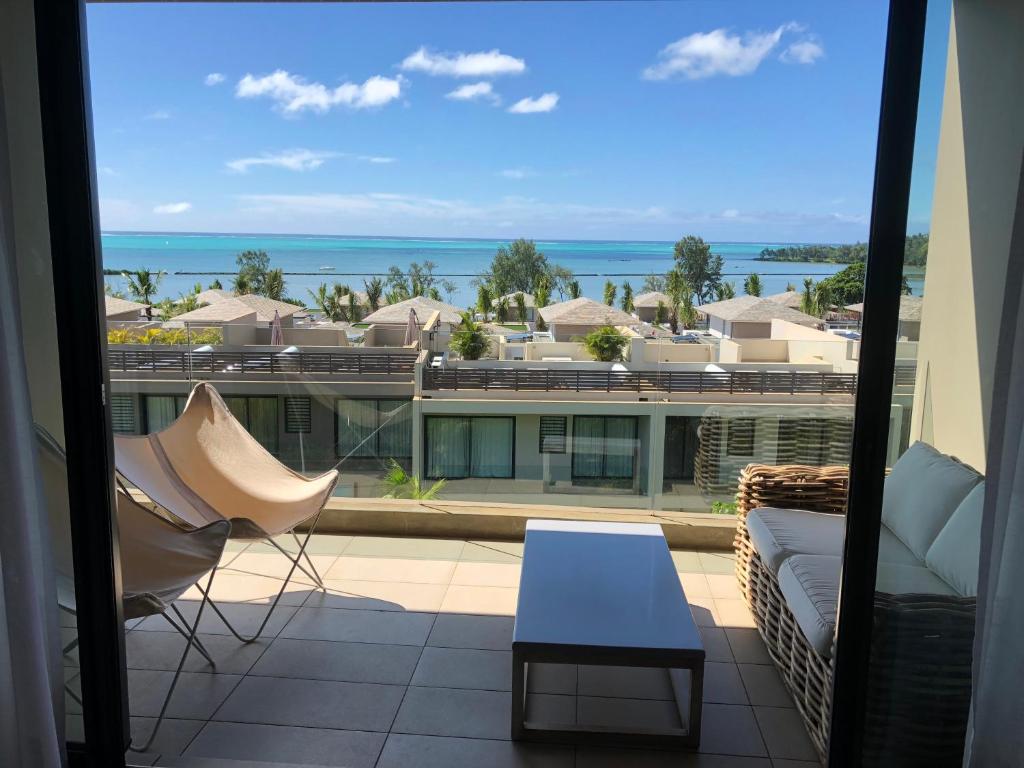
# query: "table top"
[602,585]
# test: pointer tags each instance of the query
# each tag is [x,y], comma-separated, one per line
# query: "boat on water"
[326,268]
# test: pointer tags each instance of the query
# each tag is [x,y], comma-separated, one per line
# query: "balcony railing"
[906,375]
[687,382]
[252,362]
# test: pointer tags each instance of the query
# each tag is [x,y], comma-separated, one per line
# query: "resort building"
[569,320]
[513,307]
[910,316]
[118,309]
[750,317]
[646,305]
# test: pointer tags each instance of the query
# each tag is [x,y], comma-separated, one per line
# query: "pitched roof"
[651,299]
[790,299]
[910,308]
[265,307]
[584,311]
[398,314]
[210,295]
[117,306]
[223,311]
[753,309]
[527,299]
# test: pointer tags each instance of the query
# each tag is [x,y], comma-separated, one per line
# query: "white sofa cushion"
[810,585]
[921,493]
[779,533]
[957,549]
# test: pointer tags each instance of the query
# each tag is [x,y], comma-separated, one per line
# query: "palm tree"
[483,301]
[752,285]
[574,289]
[469,341]
[241,285]
[402,485]
[521,306]
[726,291]
[331,303]
[609,293]
[353,308]
[627,297]
[273,284]
[374,293]
[808,305]
[501,310]
[142,285]
[541,296]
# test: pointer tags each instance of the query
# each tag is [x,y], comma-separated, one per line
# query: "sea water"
[351,260]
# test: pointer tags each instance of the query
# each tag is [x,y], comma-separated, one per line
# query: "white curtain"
[447,447]
[395,418]
[357,421]
[31,675]
[996,736]
[620,445]
[161,410]
[492,447]
[587,446]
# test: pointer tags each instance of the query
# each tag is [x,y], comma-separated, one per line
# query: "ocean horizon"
[308,260]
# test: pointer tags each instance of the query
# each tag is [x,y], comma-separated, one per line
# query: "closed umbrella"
[276,332]
[412,329]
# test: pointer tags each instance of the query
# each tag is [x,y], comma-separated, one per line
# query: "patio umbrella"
[276,333]
[412,329]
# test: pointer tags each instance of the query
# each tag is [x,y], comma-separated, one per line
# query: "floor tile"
[378,596]
[716,644]
[407,750]
[392,627]
[624,682]
[172,738]
[730,730]
[276,565]
[551,708]
[162,650]
[551,678]
[197,695]
[687,562]
[487,574]
[454,630]
[500,601]
[705,614]
[604,757]
[493,552]
[724,586]
[312,703]
[694,584]
[394,569]
[344,662]
[734,613]
[722,684]
[424,549]
[784,733]
[245,618]
[319,544]
[464,668]
[718,562]
[627,713]
[764,686]
[275,743]
[238,587]
[747,646]
[454,712]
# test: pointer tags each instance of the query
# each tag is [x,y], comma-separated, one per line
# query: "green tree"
[470,340]
[374,293]
[273,284]
[252,272]
[142,286]
[517,268]
[790,287]
[702,269]
[216,285]
[661,314]
[520,306]
[605,344]
[449,288]
[808,304]
[108,290]
[574,289]
[725,291]
[402,485]
[677,288]
[609,293]
[561,278]
[331,303]
[627,297]
[847,285]
[501,310]
[752,285]
[353,311]
[653,284]
[483,302]
[541,297]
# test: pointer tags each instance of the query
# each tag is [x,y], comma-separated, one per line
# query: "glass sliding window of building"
[459,447]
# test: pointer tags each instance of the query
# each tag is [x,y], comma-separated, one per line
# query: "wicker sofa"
[789,540]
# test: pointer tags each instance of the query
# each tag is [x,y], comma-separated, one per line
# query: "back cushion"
[954,555]
[922,492]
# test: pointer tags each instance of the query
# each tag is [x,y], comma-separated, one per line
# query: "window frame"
[376,429]
[604,453]
[469,447]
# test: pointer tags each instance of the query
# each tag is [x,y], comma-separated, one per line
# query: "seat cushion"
[921,494]
[810,585]
[779,533]
[957,549]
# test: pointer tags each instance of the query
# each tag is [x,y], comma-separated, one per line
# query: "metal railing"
[905,375]
[687,382]
[252,362]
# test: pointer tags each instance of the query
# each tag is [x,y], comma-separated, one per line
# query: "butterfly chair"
[205,466]
[160,560]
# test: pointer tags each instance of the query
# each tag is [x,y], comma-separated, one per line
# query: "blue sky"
[750,121]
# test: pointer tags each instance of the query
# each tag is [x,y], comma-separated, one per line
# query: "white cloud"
[289,159]
[172,208]
[214,78]
[377,159]
[482,91]
[730,213]
[479,64]
[292,94]
[517,173]
[803,52]
[718,52]
[529,106]
[159,114]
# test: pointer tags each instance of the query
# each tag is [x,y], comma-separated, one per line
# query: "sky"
[738,121]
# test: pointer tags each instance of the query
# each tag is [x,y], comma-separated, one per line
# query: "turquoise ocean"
[350,260]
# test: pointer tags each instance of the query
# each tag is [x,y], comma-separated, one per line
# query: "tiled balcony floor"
[406,661]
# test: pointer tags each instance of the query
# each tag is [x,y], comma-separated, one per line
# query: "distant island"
[916,253]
